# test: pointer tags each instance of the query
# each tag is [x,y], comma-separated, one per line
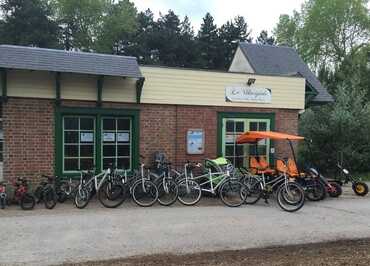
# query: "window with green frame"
[88,138]
[232,125]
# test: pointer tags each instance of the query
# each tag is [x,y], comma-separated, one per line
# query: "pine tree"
[263,38]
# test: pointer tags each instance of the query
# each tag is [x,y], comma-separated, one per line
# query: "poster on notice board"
[195,141]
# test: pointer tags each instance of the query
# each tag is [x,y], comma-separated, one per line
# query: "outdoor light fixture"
[251,81]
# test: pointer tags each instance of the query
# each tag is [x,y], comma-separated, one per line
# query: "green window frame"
[99,114]
[246,119]
[117,150]
[75,149]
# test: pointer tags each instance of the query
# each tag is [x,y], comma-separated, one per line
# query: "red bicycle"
[21,195]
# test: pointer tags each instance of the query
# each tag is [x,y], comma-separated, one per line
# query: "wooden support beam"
[99,85]
[4,84]
[139,89]
[57,88]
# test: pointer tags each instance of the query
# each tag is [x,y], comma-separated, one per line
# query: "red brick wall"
[29,131]
[28,126]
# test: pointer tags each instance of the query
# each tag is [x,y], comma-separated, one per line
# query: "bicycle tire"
[170,197]
[62,196]
[138,193]
[27,202]
[316,191]
[49,198]
[184,187]
[285,202]
[253,190]
[114,193]
[232,189]
[82,198]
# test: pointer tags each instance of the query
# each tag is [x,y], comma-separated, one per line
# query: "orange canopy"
[254,136]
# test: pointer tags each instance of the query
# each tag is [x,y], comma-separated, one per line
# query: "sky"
[260,14]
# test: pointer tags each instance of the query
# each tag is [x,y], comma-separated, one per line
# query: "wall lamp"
[251,81]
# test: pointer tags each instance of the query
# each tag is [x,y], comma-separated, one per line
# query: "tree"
[81,22]
[231,33]
[142,41]
[286,31]
[117,24]
[208,43]
[341,129]
[28,22]
[186,54]
[263,38]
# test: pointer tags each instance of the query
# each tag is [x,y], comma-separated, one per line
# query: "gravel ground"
[355,252]
[66,234]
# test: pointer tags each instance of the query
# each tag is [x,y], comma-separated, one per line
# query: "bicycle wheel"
[27,201]
[189,192]
[62,196]
[82,197]
[167,192]
[111,195]
[253,189]
[315,191]
[232,193]
[50,199]
[144,193]
[290,197]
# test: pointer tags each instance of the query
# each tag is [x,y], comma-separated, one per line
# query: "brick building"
[64,111]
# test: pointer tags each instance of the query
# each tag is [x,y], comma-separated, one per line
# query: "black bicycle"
[45,192]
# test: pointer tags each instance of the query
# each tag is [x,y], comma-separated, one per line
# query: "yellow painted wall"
[162,86]
[179,86]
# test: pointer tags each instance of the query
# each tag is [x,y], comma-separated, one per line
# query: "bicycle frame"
[97,184]
[219,176]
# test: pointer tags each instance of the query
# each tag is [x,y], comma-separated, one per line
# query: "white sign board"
[86,137]
[109,137]
[123,137]
[247,94]
[195,141]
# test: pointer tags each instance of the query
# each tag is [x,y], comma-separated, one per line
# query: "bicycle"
[167,186]
[3,195]
[65,189]
[21,194]
[144,192]
[105,186]
[289,194]
[45,192]
[229,189]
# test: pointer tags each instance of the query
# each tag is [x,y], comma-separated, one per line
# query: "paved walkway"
[43,237]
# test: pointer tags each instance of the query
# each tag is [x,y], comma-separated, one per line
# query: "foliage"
[263,38]
[340,129]
[28,22]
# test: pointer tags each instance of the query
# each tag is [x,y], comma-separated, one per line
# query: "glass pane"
[262,150]
[87,123]
[108,162]
[239,127]
[87,150]
[70,164]
[253,126]
[252,150]
[262,126]
[229,151]
[109,150]
[71,123]
[239,149]
[109,124]
[70,136]
[71,150]
[123,150]
[230,138]
[229,126]
[238,161]
[123,163]
[123,124]
[123,137]
[87,164]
